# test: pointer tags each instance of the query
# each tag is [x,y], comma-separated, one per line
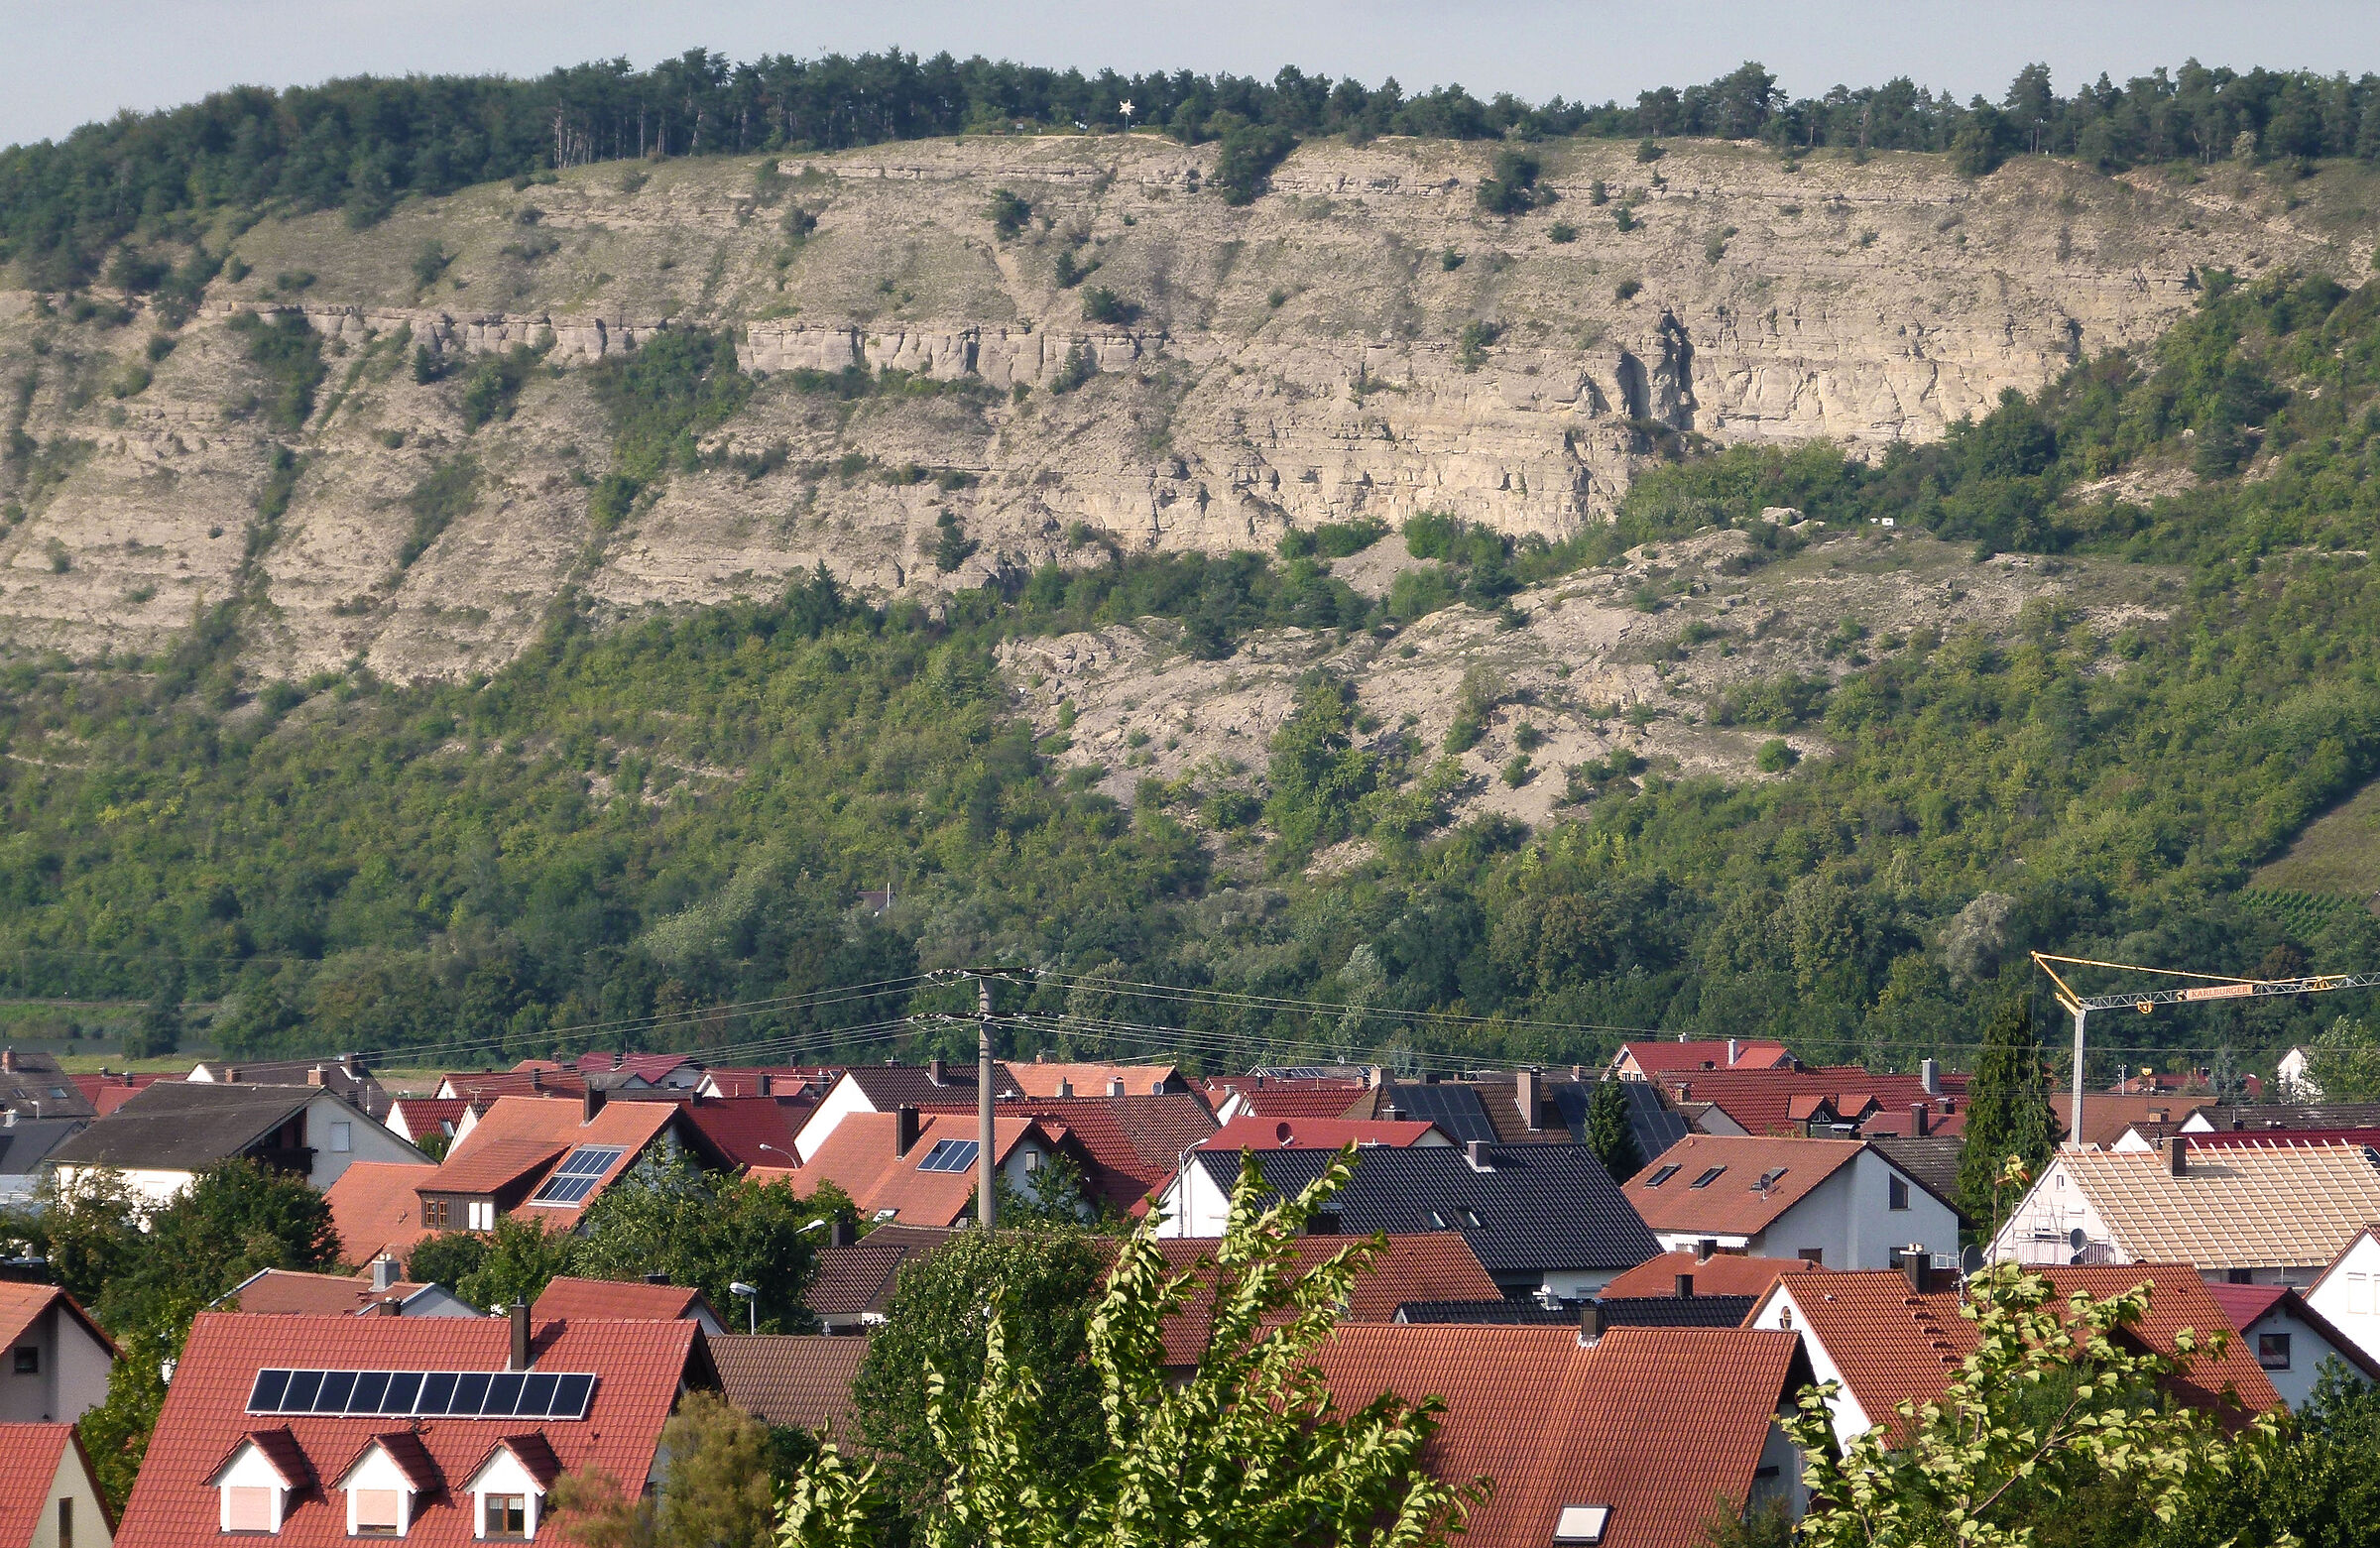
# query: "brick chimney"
[315,1076]
[905,1129]
[1476,1152]
[590,1102]
[2177,1156]
[1591,1322]
[1919,1119]
[520,1350]
[1685,1287]
[937,1073]
[1526,1093]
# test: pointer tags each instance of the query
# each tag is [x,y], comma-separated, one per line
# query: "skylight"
[950,1155]
[1768,1180]
[1662,1176]
[1581,1523]
[1708,1177]
[579,1175]
[435,1394]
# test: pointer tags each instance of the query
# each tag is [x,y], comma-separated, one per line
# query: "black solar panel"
[949,1155]
[427,1394]
[579,1175]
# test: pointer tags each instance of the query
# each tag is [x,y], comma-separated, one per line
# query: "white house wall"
[367,1139]
[843,1099]
[90,1521]
[1778,1310]
[2348,1296]
[2041,1230]
[2308,1348]
[73,1380]
[1850,1217]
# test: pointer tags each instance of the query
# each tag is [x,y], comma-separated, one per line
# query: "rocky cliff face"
[1360,342]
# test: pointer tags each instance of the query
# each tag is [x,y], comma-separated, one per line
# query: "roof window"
[1663,1175]
[579,1175]
[950,1155]
[1582,1525]
[1708,1177]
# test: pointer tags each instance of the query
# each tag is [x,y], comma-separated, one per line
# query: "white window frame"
[503,1474]
[481,1212]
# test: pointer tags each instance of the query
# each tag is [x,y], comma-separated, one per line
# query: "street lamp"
[751,1305]
[787,1154]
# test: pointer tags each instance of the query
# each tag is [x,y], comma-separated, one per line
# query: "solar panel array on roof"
[1455,1110]
[950,1155]
[579,1175]
[423,1394]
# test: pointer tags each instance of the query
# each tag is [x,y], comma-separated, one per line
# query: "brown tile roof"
[2106,1116]
[1312,1134]
[517,1136]
[1760,1101]
[1722,1273]
[286,1292]
[21,1305]
[491,1163]
[1730,1204]
[639,1367]
[2273,1202]
[1436,1268]
[1893,1345]
[487,1084]
[1677,1058]
[615,1300]
[859,1279]
[405,1449]
[1130,1143]
[1093,1080]
[1336,1100]
[792,1379]
[374,1208]
[1654,1423]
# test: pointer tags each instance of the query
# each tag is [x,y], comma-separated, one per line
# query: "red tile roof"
[1722,1273]
[1760,1101]
[2244,1303]
[1730,1204]
[405,1449]
[1675,1058]
[21,1305]
[638,1365]
[2106,1116]
[1131,1143]
[1436,1268]
[617,1300]
[732,1131]
[420,1115]
[375,1209]
[525,1132]
[654,1067]
[1094,1080]
[1316,1134]
[1654,1423]
[33,1451]
[785,1080]
[792,1379]
[492,1163]
[1894,1345]
[547,1081]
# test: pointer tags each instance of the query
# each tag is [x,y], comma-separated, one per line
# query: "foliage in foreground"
[1250,1451]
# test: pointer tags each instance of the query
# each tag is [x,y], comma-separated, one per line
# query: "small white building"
[2245,1208]
[1836,1203]
[57,1361]
[2292,1077]
[49,1496]
[166,1134]
[2288,1339]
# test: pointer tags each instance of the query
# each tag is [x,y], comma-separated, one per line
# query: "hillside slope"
[1360,342]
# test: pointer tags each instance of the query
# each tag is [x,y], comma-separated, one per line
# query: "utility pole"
[984,1209]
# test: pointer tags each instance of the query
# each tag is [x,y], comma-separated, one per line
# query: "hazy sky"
[65,62]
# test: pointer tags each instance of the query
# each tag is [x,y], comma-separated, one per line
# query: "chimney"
[1116,1087]
[1918,1117]
[937,1072]
[1929,1076]
[1524,1092]
[768,1084]
[590,1102]
[384,1273]
[905,1129]
[2177,1156]
[654,1278]
[1685,1287]
[314,1076]
[8,1118]
[8,1060]
[841,1233]
[1065,1087]
[1591,1322]
[536,1081]
[1735,1052]
[1322,1221]
[619,1058]
[1685,1091]
[519,1359]
[1476,1152]
[231,1074]
[1914,1261]
[388,1306]
[1703,1248]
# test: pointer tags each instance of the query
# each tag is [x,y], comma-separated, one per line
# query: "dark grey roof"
[182,1126]
[1676,1311]
[1454,1108]
[888,1085]
[1933,1159]
[1522,1311]
[2288,1114]
[1654,1123]
[34,1084]
[27,1143]
[1538,1207]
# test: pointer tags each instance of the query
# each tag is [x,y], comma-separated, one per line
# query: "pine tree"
[1609,1134]
[2007,1114]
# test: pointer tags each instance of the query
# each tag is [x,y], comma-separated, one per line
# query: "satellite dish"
[2074,1238]
[1971,1260]
[2076,1259]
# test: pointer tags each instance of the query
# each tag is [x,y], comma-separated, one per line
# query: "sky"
[68,62]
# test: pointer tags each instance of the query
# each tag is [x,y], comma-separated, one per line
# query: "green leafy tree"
[1045,1282]
[1609,1134]
[1248,1453]
[1317,774]
[90,1230]
[2055,1400]
[2312,1478]
[1248,153]
[670,1217]
[160,1029]
[2008,1117]
[718,1487]
[447,1258]
[519,1257]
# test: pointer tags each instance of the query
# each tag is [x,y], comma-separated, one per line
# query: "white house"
[2295,1083]
[886,1088]
[2346,1295]
[2288,1339]
[2245,1208]
[49,1496]
[168,1133]
[57,1359]
[1837,1203]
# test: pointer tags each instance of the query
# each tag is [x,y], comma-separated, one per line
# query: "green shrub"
[1776,756]
[1008,213]
[1562,232]
[1248,155]
[429,262]
[1101,305]
[1626,289]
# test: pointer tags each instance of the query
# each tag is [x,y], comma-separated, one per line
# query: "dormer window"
[254,1485]
[386,1479]
[507,1489]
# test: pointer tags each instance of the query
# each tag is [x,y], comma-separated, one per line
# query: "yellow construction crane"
[2208,987]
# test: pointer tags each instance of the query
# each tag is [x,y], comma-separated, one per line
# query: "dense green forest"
[363,144]
[679,813]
